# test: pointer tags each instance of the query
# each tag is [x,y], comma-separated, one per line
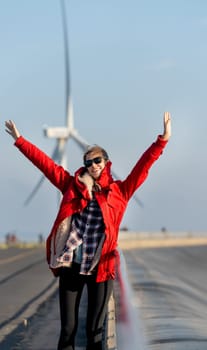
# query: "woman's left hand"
[167,126]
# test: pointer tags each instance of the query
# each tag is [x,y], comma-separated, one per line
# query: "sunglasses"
[89,162]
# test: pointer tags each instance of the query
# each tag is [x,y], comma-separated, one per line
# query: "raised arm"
[140,171]
[54,172]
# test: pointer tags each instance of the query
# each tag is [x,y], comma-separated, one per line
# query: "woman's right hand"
[11,129]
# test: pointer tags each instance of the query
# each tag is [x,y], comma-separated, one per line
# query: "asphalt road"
[170,291]
[169,295]
[25,283]
[29,306]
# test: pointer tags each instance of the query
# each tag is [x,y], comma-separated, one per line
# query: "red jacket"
[112,198]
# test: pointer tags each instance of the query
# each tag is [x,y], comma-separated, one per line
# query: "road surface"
[170,290]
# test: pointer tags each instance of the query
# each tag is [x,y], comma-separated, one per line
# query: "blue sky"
[130,61]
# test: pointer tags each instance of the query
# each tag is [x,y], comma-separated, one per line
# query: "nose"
[94,165]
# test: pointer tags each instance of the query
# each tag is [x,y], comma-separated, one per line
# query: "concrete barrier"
[130,239]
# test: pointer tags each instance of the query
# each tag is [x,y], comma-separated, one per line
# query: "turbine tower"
[63,133]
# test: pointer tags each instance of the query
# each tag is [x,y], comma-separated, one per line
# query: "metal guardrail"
[129,330]
[110,340]
[123,327]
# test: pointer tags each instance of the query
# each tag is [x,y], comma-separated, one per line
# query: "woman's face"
[95,163]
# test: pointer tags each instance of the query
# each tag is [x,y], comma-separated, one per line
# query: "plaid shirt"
[86,235]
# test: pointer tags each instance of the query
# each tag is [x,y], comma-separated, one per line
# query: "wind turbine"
[63,133]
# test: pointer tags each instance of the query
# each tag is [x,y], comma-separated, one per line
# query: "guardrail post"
[110,326]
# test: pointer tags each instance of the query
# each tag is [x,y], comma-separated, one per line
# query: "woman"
[81,248]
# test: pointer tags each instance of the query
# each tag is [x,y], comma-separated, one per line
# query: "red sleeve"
[54,172]
[140,171]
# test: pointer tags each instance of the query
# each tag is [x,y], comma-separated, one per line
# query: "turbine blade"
[69,116]
[29,198]
[55,156]
[68,101]
[83,144]
[138,201]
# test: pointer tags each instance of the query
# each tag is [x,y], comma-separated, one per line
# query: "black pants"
[70,289]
